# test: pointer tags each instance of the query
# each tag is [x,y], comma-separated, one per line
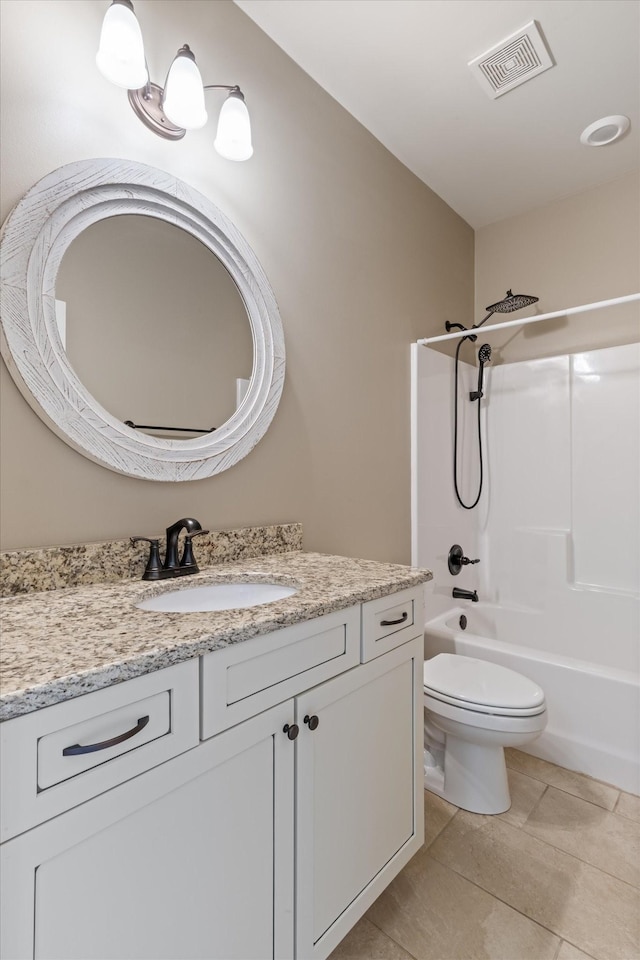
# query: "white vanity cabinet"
[191,859]
[267,839]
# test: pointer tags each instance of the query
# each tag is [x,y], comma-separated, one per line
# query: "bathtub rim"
[440,628]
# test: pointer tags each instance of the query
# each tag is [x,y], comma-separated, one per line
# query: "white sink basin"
[217,596]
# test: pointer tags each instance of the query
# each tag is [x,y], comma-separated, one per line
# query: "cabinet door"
[185,861]
[359,798]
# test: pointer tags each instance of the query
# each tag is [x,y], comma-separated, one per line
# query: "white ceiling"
[400,68]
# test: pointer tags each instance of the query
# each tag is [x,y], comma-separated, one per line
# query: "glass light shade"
[183,100]
[233,139]
[120,57]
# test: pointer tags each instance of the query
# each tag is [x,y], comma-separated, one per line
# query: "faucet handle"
[152,570]
[456,560]
[188,559]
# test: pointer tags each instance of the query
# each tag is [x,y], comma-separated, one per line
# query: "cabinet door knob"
[312,722]
[291,729]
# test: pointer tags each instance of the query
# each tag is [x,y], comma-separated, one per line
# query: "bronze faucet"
[172,566]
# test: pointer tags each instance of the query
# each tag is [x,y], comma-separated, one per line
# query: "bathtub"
[593,709]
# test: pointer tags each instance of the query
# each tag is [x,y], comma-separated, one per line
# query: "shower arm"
[459,326]
[476,325]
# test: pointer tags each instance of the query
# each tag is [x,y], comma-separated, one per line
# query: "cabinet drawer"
[390,621]
[58,757]
[74,750]
[247,678]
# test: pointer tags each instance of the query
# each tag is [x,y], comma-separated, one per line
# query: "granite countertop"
[60,644]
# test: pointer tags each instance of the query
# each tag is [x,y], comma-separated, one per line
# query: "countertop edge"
[20,702]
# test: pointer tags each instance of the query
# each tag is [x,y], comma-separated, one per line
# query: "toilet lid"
[473,681]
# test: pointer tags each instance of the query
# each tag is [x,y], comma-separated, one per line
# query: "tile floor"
[557,877]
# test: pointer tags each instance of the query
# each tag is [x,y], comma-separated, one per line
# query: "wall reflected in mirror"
[154,325]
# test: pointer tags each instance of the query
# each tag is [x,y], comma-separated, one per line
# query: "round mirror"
[131,303]
[154,326]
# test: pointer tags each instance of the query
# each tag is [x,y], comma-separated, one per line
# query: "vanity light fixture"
[179,106]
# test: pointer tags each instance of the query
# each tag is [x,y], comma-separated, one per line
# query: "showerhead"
[512,301]
[484,353]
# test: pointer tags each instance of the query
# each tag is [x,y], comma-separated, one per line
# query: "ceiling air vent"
[515,60]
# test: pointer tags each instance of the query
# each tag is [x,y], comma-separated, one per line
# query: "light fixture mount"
[147,106]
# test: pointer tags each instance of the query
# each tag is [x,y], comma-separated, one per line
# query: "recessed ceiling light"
[604,131]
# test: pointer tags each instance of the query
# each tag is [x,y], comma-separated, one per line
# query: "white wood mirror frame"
[34,239]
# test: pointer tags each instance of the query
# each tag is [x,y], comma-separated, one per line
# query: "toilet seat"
[471,707]
[481,687]
[464,714]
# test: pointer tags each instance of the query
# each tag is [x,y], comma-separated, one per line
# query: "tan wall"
[363,259]
[579,250]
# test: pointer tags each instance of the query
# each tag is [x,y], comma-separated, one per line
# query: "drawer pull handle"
[392,623]
[312,722]
[292,730]
[77,749]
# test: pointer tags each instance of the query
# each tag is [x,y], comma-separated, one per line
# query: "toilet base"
[474,777]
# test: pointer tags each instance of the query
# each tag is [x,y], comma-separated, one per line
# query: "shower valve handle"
[456,560]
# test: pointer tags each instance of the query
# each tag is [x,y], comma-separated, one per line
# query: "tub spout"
[459,594]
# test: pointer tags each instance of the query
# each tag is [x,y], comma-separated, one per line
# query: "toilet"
[473,709]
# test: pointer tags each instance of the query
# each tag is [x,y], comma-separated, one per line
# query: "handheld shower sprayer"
[484,356]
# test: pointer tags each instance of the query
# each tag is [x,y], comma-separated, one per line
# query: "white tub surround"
[557,531]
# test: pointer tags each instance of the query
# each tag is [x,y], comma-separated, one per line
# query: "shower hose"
[467,506]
